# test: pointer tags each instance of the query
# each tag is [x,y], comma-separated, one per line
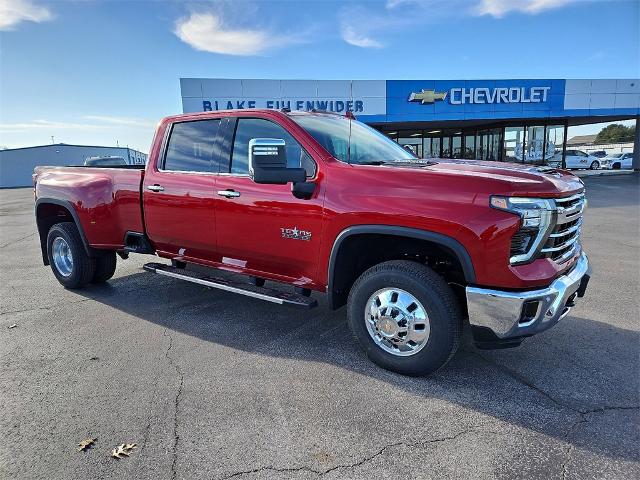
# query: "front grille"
[563,242]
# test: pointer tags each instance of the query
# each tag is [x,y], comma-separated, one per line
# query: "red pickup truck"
[417,249]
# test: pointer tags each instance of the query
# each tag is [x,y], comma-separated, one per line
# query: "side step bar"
[263,293]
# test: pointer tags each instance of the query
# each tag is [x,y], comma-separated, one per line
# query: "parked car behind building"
[616,161]
[576,159]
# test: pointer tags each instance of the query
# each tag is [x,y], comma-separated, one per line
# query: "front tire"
[67,256]
[405,317]
[595,165]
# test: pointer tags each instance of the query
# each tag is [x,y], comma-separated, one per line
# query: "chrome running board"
[262,293]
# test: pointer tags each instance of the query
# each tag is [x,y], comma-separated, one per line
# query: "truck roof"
[253,110]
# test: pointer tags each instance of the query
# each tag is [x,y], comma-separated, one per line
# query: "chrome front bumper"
[504,316]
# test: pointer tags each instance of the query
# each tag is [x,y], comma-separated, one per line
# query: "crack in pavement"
[367,459]
[17,240]
[581,420]
[47,307]
[176,404]
[524,381]
[582,413]
[521,379]
[570,447]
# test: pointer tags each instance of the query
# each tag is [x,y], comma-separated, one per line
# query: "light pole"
[636,147]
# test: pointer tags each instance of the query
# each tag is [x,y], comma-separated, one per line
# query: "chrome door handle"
[228,193]
[155,188]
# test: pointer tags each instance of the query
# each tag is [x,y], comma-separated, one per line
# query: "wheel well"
[359,252]
[47,215]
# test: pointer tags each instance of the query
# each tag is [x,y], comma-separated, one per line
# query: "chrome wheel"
[62,257]
[397,322]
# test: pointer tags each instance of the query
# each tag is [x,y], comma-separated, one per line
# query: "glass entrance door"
[411,139]
[432,147]
[446,147]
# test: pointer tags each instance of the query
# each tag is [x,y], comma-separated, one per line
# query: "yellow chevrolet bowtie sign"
[427,96]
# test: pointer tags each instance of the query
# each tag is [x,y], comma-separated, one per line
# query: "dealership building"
[522,120]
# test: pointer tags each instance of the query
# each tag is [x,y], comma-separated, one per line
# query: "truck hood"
[518,179]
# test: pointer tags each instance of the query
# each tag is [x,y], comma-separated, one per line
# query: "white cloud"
[87,130]
[14,12]
[45,124]
[207,32]
[360,26]
[352,37]
[395,3]
[122,121]
[500,8]
[96,122]
[494,8]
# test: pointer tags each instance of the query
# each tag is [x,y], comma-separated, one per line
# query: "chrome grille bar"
[564,240]
[563,245]
[566,232]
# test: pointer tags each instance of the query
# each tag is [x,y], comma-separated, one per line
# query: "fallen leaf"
[13,326]
[86,444]
[123,450]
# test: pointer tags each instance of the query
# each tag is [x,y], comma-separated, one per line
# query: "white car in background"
[579,159]
[616,161]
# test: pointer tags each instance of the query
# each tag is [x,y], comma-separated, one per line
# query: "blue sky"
[101,72]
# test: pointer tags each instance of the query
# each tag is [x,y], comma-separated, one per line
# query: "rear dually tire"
[68,258]
[105,267]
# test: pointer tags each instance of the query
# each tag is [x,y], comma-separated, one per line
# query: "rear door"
[179,191]
[264,228]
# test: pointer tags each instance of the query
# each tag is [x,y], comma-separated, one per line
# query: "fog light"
[529,311]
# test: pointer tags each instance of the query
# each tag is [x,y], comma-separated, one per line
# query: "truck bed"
[106,200]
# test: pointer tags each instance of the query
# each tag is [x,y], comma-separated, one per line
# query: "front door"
[264,228]
[179,192]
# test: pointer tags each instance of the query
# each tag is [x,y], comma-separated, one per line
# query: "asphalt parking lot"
[215,385]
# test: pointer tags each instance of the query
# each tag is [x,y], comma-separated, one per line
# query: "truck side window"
[249,128]
[192,147]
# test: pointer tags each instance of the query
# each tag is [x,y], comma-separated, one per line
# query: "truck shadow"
[542,386]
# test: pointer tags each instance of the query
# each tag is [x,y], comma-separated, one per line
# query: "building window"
[456,145]
[534,145]
[554,145]
[469,146]
[431,146]
[411,139]
[513,147]
[488,144]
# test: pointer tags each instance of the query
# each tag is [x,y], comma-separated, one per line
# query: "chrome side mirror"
[268,162]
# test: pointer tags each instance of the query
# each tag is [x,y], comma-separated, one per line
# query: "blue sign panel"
[415,100]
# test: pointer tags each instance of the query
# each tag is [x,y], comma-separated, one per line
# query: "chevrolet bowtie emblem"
[427,96]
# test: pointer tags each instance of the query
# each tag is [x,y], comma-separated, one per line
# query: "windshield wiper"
[373,162]
[417,161]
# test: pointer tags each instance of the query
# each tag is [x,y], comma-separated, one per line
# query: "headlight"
[537,218]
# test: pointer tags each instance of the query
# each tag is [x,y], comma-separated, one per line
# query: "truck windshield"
[351,141]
